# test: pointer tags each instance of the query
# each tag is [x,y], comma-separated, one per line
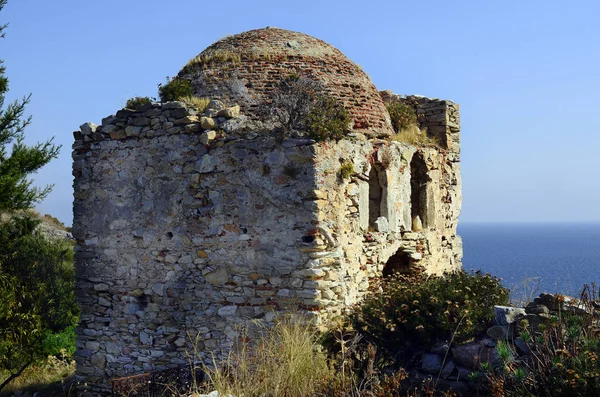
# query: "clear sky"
[525,73]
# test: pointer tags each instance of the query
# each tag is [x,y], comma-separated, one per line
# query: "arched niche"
[418,192]
[376,193]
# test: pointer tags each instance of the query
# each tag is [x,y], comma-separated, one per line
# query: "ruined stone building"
[193,222]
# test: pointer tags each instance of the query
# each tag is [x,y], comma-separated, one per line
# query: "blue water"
[544,257]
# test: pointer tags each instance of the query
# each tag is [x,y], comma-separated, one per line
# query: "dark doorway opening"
[399,263]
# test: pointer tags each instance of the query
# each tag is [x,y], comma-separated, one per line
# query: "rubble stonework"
[190,224]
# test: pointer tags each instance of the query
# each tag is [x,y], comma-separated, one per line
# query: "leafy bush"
[137,102]
[328,120]
[403,116]
[298,104]
[174,89]
[291,102]
[415,310]
[37,302]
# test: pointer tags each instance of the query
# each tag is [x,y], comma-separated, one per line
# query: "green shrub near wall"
[415,310]
[174,89]
[402,116]
[37,300]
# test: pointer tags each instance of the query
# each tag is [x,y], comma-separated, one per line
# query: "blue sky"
[525,74]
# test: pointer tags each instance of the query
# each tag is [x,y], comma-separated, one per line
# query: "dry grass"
[285,361]
[52,377]
[229,58]
[414,136]
[218,57]
[46,218]
[199,103]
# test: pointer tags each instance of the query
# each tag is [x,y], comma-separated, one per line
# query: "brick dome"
[245,69]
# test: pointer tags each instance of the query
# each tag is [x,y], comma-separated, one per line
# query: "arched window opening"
[375,196]
[418,192]
[399,263]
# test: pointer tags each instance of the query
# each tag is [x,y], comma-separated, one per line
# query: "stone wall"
[188,226]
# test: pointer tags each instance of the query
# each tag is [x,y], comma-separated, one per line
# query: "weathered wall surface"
[186,227]
[362,246]
[177,237]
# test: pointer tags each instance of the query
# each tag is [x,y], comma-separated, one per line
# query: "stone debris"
[457,363]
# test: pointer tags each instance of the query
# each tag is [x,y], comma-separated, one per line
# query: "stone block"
[498,332]
[88,128]
[230,112]
[207,137]
[192,128]
[431,363]
[92,345]
[187,120]
[218,277]
[207,123]
[227,311]
[507,315]
[381,224]
[132,131]
[206,164]
[118,134]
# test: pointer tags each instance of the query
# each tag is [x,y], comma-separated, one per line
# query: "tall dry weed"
[284,361]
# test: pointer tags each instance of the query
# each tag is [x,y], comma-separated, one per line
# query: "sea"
[531,258]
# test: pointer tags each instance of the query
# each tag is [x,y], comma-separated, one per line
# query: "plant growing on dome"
[292,101]
[328,119]
[174,89]
[406,127]
[298,104]
[137,102]
[403,116]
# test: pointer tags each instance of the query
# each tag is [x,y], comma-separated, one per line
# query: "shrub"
[137,102]
[328,120]
[174,89]
[413,310]
[347,169]
[403,116]
[291,102]
[37,303]
[566,349]
[298,104]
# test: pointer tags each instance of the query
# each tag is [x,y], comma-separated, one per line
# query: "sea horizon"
[534,257]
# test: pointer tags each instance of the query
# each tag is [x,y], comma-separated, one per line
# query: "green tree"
[17,160]
[37,305]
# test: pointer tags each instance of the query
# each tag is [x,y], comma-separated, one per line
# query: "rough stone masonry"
[190,224]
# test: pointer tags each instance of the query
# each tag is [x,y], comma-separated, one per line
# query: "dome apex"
[246,68]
